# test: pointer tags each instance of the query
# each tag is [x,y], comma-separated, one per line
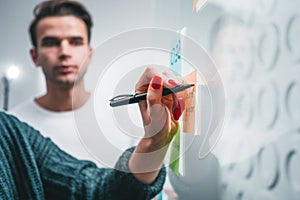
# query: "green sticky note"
[175,152]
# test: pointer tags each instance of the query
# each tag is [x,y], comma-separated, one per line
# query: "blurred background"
[256,47]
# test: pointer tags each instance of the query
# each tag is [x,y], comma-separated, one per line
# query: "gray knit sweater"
[33,167]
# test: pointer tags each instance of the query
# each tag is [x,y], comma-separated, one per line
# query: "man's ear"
[88,60]
[34,56]
[91,52]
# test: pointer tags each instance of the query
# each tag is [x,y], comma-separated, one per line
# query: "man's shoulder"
[23,107]
[25,110]
[28,111]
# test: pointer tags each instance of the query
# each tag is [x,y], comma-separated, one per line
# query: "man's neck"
[60,99]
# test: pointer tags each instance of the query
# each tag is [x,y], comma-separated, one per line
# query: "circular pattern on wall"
[268,47]
[231,167]
[246,169]
[244,196]
[268,166]
[292,159]
[292,101]
[292,37]
[292,168]
[268,106]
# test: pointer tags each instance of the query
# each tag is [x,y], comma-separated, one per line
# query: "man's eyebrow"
[58,38]
[50,38]
[76,38]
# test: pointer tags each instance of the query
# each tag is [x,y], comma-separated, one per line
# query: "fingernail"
[172,82]
[177,113]
[179,110]
[156,82]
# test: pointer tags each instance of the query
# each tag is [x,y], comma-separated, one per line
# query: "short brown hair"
[59,8]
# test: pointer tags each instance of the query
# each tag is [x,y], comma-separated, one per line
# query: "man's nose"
[64,50]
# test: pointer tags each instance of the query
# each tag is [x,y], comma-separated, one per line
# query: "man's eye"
[50,43]
[76,42]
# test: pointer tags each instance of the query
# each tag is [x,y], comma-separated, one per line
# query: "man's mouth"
[66,68]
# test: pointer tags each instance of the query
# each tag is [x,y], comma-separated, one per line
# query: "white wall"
[259,150]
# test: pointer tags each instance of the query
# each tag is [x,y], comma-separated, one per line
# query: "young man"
[60,34]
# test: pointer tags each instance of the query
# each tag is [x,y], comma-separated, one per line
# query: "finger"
[173,81]
[144,81]
[159,118]
[178,110]
[157,111]
[154,93]
[144,112]
[168,101]
[170,79]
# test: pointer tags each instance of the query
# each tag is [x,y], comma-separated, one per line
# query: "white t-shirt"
[59,126]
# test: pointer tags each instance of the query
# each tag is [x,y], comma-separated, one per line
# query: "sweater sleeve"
[65,177]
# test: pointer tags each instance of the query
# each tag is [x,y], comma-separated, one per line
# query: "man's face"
[62,48]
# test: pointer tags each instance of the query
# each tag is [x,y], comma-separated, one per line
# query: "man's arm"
[65,177]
